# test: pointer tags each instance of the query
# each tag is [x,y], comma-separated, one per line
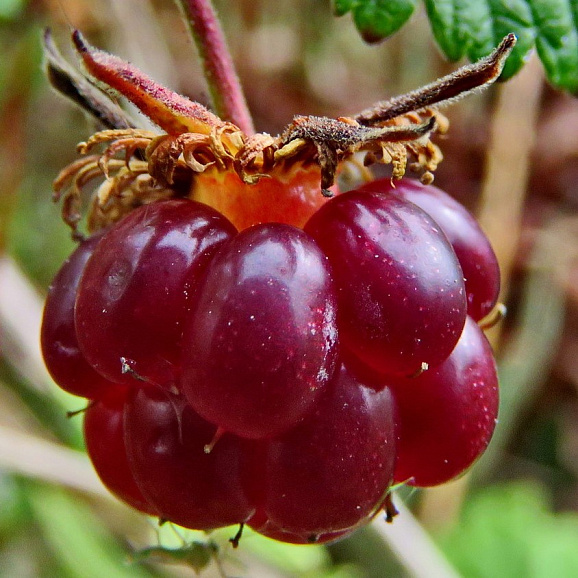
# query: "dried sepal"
[68,187]
[121,141]
[141,166]
[174,113]
[256,157]
[120,176]
[73,85]
[334,140]
[169,157]
[173,159]
[445,90]
[110,136]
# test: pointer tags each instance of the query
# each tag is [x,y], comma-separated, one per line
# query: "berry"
[288,362]
[446,416]
[64,360]
[474,252]
[272,358]
[137,287]
[104,438]
[275,373]
[261,343]
[400,289]
[166,441]
[334,468]
[259,523]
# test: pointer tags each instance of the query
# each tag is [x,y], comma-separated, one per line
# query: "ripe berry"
[308,343]
[334,468]
[136,289]
[400,289]
[474,252]
[165,441]
[64,360]
[261,524]
[104,437]
[446,416]
[261,343]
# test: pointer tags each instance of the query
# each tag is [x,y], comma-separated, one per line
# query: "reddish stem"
[226,93]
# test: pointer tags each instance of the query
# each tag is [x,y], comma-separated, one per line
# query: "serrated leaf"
[473,27]
[460,24]
[377,19]
[557,40]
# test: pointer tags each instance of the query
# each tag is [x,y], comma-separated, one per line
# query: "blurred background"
[511,156]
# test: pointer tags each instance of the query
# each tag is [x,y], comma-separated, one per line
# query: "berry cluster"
[279,376]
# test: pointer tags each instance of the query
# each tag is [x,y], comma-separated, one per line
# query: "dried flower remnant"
[195,150]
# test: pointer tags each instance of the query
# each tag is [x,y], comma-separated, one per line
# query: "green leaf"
[557,40]
[377,19]
[344,6]
[473,27]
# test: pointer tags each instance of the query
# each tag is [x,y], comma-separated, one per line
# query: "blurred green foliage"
[510,530]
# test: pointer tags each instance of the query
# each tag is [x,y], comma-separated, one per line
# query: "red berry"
[64,360]
[286,353]
[332,470]
[400,289]
[166,442]
[261,524]
[446,416]
[104,438]
[140,282]
[474,252]
[261,343]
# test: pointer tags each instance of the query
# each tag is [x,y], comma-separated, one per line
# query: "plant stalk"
[225,89]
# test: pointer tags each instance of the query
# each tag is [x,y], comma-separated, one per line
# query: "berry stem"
[224,86]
